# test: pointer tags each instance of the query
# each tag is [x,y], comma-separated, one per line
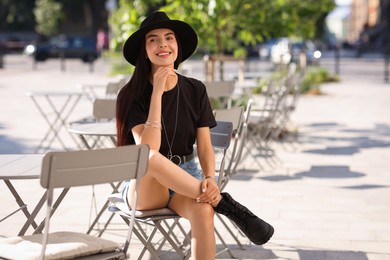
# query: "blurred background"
[256,29]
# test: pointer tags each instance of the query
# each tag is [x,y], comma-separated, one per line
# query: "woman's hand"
[164,79]
[210,191]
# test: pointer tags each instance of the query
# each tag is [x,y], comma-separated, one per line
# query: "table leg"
[20,202]
[31,218]
[39,229]
[59,121]
[63,120]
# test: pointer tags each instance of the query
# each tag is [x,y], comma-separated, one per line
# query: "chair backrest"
[90,167]
[221,136]
[220,90]
[113,88]
[235,115]
[104,109]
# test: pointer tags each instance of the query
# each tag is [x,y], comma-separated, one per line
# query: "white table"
[15,167]
[55,107]
[97,130]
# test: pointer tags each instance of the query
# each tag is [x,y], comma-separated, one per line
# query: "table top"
[53,93]
[96,128]
[92,85]
[20,166]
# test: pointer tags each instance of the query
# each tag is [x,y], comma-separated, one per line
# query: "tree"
[48,15]
[16,15]
[228,25]
[127,18]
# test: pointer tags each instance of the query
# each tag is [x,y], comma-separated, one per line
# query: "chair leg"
[231,232]
[168,238]
[145,239]
[187,239]
[227,249]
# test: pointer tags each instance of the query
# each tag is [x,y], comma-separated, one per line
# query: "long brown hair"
[132,91]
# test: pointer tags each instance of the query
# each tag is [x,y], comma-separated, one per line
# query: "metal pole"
[62,59]
[1,58]
[337,60]
[91,67]
[386,66]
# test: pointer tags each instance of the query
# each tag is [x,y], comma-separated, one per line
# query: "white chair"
[162,220]
[113,88]
[220,93]
[239,119]
[104,109]
[235,116]
[73,169]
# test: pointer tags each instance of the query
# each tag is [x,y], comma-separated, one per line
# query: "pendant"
[175,159]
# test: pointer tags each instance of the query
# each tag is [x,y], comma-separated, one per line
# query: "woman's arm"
[150,132]
[210,190]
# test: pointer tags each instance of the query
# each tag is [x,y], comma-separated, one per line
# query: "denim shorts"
[190,167]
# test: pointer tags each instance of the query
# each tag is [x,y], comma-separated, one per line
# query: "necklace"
[170,156]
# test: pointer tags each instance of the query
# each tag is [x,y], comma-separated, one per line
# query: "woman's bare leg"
[172,176]
[161,175]
[201,217]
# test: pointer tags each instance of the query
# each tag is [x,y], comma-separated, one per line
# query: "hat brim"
[183,31]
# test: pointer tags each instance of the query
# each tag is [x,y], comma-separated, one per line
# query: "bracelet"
[211,177]
[154,124]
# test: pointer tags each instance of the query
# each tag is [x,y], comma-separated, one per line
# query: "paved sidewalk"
[327,194]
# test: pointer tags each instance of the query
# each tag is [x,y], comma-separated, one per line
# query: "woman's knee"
[202,211]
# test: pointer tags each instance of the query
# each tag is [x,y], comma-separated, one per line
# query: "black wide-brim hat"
[159,20]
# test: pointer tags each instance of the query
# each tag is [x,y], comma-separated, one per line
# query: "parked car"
[265,49]
[312,53]
[285,51]
[15,42]
[66,46]
[281,51]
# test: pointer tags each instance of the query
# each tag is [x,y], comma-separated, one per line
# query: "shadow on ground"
[9,146]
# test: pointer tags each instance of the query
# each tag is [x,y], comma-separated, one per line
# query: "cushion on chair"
[118,204]
[61,245]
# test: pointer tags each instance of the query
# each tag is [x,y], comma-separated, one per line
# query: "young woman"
[170,112]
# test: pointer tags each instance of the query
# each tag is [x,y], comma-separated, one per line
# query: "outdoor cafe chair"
[235,115]
[73,169]
[264,120]
[104,109]
[220,93]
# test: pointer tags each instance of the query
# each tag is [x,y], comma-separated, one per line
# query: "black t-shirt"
[194,111]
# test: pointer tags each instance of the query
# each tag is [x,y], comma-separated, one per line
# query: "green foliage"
[276,76]
[48,16]
[119,66]
[312,80]
[227,25]
[16,15]
[126,19]
[314,76]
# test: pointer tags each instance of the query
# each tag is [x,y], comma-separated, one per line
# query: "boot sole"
[266,238]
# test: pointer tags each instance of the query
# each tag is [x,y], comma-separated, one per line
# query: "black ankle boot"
[257,230]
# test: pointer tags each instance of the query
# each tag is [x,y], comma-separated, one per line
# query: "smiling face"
[161,47]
